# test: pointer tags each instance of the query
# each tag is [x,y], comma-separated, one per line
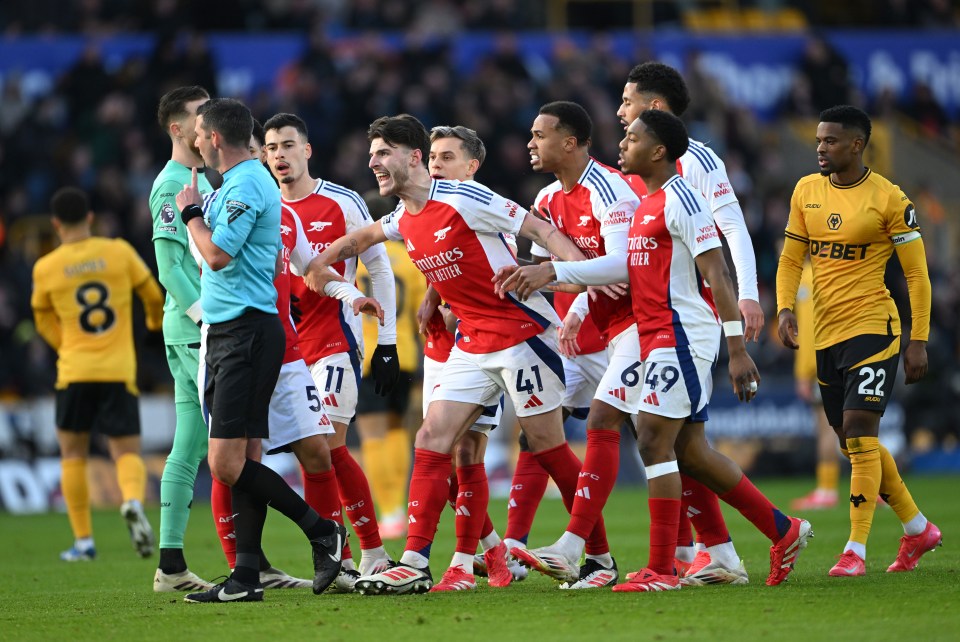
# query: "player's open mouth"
[381,177]
[437,177]
[534,159]
[823,162]
[282,168]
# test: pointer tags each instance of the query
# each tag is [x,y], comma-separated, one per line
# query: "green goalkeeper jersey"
[178,271]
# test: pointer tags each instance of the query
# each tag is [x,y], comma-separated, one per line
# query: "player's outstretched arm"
[550,238]
[317,275]
[743,371]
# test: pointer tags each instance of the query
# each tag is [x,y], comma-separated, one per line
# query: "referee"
[243,343]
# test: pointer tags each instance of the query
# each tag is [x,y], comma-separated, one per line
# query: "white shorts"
[296,411]
[338,378]
[677,385]
[621,384]
[583,374]
[432,370]
[531,373]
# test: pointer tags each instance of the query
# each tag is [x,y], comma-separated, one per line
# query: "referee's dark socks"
[267,486]
[250,515]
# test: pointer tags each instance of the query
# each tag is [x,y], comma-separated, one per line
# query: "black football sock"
[250,513]
[172,561]
[269,487]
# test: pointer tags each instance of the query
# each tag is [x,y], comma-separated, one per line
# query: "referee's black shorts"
[242,360]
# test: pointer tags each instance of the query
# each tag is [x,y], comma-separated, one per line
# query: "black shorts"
[369,402]
[857,374]
[242,360]
[105,406]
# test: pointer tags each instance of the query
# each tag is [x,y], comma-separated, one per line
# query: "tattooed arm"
[318,273]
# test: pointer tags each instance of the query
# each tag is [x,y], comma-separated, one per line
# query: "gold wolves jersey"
[850,232]
[82,295]
[410,291]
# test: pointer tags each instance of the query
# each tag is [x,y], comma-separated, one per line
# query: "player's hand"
[190,194]
[369,306]
[787,329]
[567,335]
[541,213]
[317,279]
[385,368]
[752,319]
[915,361]
[428,307]
[449,318]
[744,375]
[502,275]
[614,290]
[528,279]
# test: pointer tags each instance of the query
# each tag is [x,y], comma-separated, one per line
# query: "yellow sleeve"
[147,289]
[48,326]
[913,259]
[45,318]
[795,247]
[805,359]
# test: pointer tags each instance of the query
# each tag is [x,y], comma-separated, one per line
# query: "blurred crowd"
[97,129]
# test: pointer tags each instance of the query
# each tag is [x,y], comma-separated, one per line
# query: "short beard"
[826,172]
[287,179]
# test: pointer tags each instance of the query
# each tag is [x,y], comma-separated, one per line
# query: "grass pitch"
[112,599]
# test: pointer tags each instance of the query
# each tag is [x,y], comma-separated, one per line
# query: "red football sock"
[221,503]
[564,467]
[685,528]
[429,485]
[596,480]
[754,505]
[471,506]
[454,491]
[703,508]
[664,518]
[487,522]
[322,492]
[527,489]
[356,498]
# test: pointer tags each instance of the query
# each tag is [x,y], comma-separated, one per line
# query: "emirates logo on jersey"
[319,226]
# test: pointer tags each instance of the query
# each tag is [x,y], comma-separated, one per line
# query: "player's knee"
[654,448]
[466,453]
[225,470]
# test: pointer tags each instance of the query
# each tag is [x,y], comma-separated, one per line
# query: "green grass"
[111,599]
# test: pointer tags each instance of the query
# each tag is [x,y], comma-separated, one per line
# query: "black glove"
[385,368]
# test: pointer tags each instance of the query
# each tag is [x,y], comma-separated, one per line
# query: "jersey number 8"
[95,315]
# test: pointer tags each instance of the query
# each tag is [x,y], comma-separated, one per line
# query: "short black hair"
[173,104]
[281,120]
[70,204]
[669,130]
[848,116]
[469,140]
[258,133]
[230,118]
[573,118]
[402,129]
[663,80]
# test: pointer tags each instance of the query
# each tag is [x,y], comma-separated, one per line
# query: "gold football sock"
[894,491]
[377,468]
[76,495]
[828,474]
[132,477]
[864,485]
[398,449]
